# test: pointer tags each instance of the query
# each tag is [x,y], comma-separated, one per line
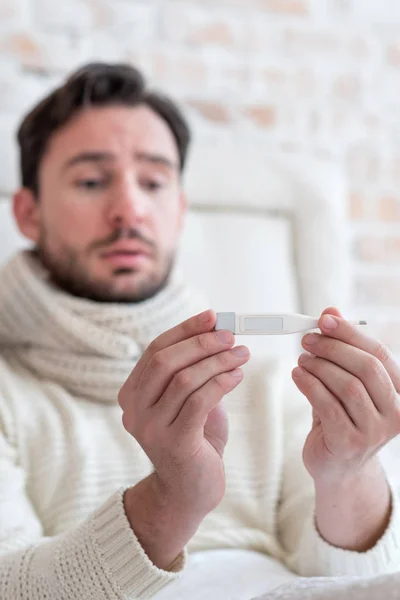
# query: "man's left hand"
[352,382]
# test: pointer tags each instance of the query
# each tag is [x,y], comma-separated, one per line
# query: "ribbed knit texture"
[49,329]
[65,458]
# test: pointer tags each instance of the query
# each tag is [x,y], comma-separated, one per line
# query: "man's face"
[110,207]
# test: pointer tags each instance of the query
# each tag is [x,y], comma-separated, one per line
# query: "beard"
[67,271]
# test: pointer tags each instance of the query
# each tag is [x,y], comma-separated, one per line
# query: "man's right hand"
[171,403]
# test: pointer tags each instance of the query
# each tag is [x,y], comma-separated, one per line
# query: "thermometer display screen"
[262,324]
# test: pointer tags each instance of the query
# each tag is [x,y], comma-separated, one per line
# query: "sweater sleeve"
[100,558]
[306,552]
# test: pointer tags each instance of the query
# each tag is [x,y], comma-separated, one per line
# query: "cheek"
[168,226]
[72,224]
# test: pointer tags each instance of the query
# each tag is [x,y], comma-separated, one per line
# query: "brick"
[44,53]
[304,82]
[19,91]
[388,208]
[212,111]
[394,169]
[8,153]
[296,8]
[377,290]
[194,25]
[378,249]
[74,16]
[130,21]
[11,12]
[364,164]
[331,43]
[184,71]
[372,12]
[304,42]
[393,54]
[262,116]
[357,207]
[347,87]
[283,7]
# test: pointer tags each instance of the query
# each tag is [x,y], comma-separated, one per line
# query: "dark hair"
[96,84]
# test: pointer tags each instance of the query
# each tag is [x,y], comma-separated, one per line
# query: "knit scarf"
[87,347]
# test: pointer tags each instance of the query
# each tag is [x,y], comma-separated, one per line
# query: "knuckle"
[335,346]
[374,367]
[122,397]
[221,384]
[203,342]
[382,353]
[127,422]
[182,379]
[312,382]
[354,388]
[224,359]
[159,360]
[333,412]
[154,347]
[196,403]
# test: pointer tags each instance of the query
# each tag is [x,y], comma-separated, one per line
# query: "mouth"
[127,258]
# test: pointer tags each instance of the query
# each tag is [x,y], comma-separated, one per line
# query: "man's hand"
[171,403]
[352,383]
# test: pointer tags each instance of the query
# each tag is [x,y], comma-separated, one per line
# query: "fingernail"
[329,322]
[298,372]
[304,358]
[204,316]
[310,339]
[241,351]
[237,373]
[224,336]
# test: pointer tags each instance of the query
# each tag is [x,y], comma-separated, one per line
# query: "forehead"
[122,131]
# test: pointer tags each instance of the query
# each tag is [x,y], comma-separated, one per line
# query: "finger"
[364,366]
[346,388]
[166,363]
[196,325]
[332,310]
[195,410]
[189,380]
[338,328]
[335,421]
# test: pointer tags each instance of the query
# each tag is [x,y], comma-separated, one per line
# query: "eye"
[152,185]
[91,184]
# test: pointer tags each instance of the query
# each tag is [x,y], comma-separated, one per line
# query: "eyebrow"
[157,159]
[98,157]
[88,157]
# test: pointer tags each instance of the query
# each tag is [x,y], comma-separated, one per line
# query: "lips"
[127,255]
[128,260]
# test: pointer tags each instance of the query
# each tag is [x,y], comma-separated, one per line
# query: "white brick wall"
[321,76]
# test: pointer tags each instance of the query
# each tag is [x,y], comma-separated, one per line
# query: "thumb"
[332,311]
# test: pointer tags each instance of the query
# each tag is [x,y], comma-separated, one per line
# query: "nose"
[127,204]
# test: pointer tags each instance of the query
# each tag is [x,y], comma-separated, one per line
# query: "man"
[95,319]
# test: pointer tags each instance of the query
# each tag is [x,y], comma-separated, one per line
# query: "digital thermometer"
[271,324]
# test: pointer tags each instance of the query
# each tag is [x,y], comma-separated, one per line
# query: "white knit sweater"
[65,458]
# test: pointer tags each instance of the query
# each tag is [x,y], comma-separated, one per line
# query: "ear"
[26,209]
